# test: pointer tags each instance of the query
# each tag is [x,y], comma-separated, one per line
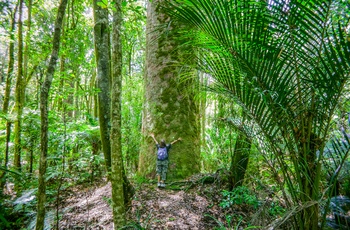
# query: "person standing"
[162,159]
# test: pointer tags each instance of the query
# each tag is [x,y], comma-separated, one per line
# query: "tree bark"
[116,145]
[102,51]
[26,77]
[170,110]
[240,159]
[45,89]
[27,40]
[7,95]
[18,92]
[10,63]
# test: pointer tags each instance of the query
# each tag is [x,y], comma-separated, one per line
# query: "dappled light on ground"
[175,207]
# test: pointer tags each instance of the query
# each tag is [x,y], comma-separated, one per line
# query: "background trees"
[44,96]
[275,90]
[103,63]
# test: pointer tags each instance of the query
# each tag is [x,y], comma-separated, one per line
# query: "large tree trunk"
[170,110]
[101,35]
[45,89]
[116,131]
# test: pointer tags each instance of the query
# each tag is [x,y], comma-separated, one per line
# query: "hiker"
[162,159]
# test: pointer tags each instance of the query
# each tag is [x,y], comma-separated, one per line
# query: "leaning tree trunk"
[170,110]
[44,96]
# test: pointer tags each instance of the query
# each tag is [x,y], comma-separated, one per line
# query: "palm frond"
[285,62]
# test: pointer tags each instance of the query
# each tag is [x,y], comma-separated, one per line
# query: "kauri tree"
[170,110]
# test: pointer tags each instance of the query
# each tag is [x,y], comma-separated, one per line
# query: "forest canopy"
[255,93]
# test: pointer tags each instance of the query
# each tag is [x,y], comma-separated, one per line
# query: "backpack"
[162,154]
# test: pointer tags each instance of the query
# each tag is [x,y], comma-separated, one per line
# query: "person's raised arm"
[178,139]
[152,135]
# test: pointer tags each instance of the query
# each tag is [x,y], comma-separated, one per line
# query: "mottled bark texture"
[116,131]
[102,51]
[44,96]
[18,91]
[169,109]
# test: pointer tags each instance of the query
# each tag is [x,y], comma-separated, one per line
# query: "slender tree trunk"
[18,92]
[3,175]
[92,98]
[27,76]
[61,100]
[77,104]
[102,48]
[61,90]
[203,107]
[116,147]
[7,95]
[31,159]
[27,41]
[10,63]
[45,89]
[170,110]
[102,53]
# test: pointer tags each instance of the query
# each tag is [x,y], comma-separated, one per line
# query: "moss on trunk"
[170,110]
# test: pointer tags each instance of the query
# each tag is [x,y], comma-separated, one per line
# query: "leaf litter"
[182,205]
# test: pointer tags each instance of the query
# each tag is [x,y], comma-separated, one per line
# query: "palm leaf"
[285,62]
[288,67]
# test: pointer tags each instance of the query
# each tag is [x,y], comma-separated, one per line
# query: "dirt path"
[167,209]
[151,208]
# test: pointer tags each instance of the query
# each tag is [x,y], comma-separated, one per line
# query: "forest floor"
[196,203]
[191,204]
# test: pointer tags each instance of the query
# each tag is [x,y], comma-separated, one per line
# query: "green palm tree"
[286,63]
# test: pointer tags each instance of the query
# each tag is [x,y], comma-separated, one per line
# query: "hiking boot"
[159,185]
[162,185]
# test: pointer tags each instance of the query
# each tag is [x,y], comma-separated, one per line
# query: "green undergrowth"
[242,207]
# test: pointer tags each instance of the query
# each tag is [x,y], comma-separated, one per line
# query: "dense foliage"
[287,65]
[275,75]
